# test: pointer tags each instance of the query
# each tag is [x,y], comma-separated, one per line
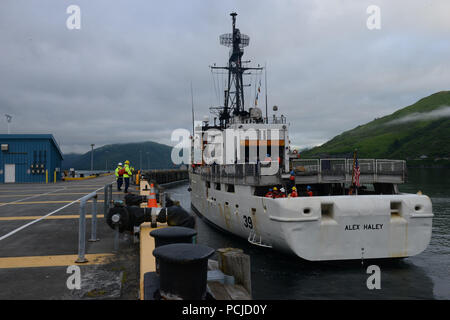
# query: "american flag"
[357,173]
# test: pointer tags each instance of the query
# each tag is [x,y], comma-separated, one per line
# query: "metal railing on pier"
[82,219]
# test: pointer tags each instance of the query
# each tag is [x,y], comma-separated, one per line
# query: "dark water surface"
[279,276]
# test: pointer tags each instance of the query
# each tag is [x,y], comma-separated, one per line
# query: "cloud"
[442,112]
[125,76]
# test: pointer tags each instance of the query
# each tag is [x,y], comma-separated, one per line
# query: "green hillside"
[108,156]
[419,129]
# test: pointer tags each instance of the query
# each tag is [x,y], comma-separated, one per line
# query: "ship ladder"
[257,240]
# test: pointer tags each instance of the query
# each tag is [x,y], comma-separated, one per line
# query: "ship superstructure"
[241,156]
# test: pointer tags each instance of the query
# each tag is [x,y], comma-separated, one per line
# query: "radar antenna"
[234,94]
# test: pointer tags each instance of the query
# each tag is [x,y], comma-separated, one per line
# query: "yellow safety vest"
[127,173]
[117,172]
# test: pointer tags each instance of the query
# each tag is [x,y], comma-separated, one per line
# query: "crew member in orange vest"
[294,193]
[308,191]
[292,179]
[119,176]
[276,193]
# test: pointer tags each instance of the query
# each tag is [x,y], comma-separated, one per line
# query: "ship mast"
[234,94]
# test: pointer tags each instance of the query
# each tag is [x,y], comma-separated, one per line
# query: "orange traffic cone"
[151,202]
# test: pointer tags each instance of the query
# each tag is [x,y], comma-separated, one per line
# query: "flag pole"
[265,89]
[192,109]
[353,173]
[193,126]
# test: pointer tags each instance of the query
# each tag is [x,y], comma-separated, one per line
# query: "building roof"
[32,136]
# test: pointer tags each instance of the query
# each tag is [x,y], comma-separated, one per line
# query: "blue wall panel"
[28,153]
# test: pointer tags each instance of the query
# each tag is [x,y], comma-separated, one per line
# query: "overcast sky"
[125,75]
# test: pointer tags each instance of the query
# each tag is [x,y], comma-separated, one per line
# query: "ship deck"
[307,171]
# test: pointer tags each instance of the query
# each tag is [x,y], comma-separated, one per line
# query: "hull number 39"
[248,222]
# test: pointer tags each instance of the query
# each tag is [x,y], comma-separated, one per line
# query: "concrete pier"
[35,255]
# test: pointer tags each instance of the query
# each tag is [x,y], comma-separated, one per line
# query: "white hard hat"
[120,164]
[282,190]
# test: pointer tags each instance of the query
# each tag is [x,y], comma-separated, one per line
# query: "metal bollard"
[94,221]
[183,270]
[174,234]
[171,235]
[82,233]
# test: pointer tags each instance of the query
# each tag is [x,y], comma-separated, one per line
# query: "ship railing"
[366,166]
[333,167]
[239,170]
[340,167]
[306,167]
[275,120]
[390,167]
[326,169]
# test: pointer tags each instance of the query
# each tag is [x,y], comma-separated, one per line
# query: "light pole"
[148,161]
[106,166]
[140,159]
[92,157]
[8,119]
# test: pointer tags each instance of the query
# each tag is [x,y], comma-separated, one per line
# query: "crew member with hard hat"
[291,179]
[126,176]
[119,176]
[294,193]
[309,191]
[269,194]
[276,193]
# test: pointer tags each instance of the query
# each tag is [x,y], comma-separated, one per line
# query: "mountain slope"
[419,129]
[108,156]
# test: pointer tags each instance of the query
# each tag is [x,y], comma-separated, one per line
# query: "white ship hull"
[320,228]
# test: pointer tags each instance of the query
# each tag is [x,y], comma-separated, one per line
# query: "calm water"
[279,276]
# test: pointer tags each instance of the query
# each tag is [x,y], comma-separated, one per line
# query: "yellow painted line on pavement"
[64,216]
[50,194]
[85,187]
[87,177]
[147,260]
[52,261]
[27,198]
[17,195]
[44,202]
[67,194]
[41,218]
[79,179]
